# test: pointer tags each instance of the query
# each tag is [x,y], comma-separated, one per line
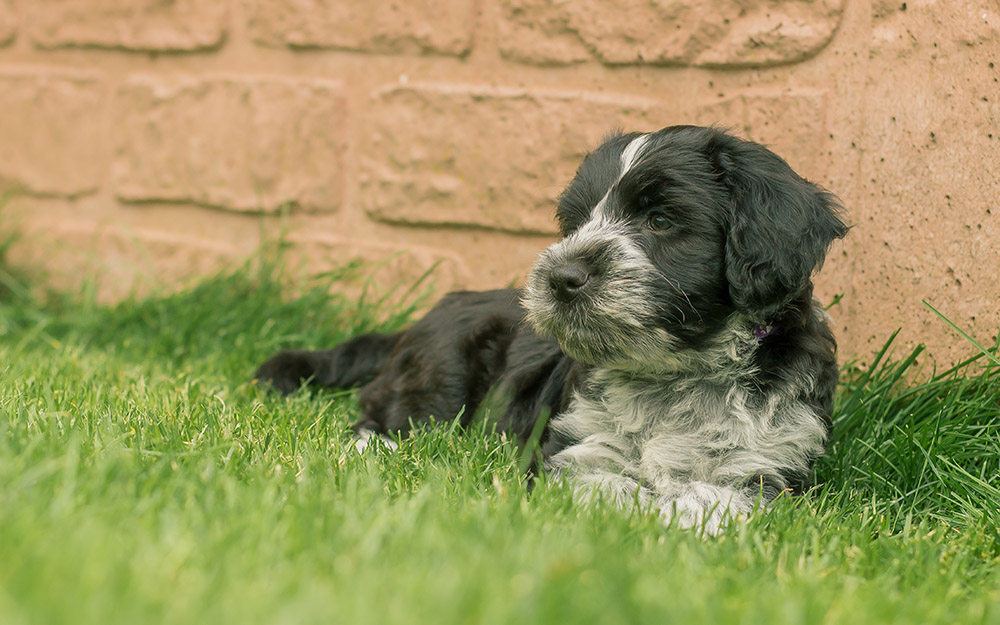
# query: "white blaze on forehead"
[629,156]
[631,152]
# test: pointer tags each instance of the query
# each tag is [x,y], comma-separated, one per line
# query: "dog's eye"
[658,222]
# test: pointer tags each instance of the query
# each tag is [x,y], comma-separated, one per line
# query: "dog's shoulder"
[537,381]
[802,360]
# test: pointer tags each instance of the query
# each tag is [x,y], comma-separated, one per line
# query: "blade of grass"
[989,354]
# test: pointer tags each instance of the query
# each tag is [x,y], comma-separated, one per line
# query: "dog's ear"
[779,226]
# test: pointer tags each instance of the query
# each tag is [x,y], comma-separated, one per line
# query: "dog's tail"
[352,363]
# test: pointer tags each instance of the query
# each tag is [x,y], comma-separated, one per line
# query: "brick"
[490,158]
[145,25]
[793,123]
[729,33]
[231,143]
[540,32]
[53,129]
[8,22]
[414,26]
[959,24]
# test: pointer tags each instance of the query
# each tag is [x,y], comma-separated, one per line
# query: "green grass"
[142,479]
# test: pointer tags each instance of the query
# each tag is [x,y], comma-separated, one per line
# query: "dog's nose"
[567,280]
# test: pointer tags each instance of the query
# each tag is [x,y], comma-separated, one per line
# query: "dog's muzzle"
[594,292]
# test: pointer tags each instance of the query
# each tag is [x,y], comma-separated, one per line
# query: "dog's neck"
[728,353]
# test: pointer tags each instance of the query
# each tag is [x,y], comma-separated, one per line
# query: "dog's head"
[667,235]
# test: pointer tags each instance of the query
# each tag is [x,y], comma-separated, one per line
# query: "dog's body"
[671,334]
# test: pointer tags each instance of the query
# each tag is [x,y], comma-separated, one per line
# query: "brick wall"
[147,141]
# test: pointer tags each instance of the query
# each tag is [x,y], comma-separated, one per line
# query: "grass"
[142,479]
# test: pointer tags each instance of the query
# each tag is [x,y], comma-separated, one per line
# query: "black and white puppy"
[671,334]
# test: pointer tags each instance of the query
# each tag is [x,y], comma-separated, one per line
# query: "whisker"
[677,287]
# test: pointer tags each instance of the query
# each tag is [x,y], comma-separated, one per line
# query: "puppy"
[671,334]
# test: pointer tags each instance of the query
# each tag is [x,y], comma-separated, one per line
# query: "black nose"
[567,280]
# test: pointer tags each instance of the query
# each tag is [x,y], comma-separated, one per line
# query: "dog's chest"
[679,429]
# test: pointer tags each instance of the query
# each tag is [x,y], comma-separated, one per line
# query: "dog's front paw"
[286,371]
[704,508]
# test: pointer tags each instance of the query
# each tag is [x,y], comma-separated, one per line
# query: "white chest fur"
[660,441]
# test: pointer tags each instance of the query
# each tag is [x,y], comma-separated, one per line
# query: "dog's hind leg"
[350,364]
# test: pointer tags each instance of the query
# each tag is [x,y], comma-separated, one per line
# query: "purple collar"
[762,331]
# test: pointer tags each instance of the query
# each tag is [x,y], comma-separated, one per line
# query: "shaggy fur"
[671,334]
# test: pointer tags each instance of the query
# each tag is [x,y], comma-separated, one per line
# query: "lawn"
[144,479]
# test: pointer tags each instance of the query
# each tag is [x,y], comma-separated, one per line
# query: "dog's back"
[469,344]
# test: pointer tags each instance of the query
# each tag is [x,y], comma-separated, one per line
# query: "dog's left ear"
[779,226]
